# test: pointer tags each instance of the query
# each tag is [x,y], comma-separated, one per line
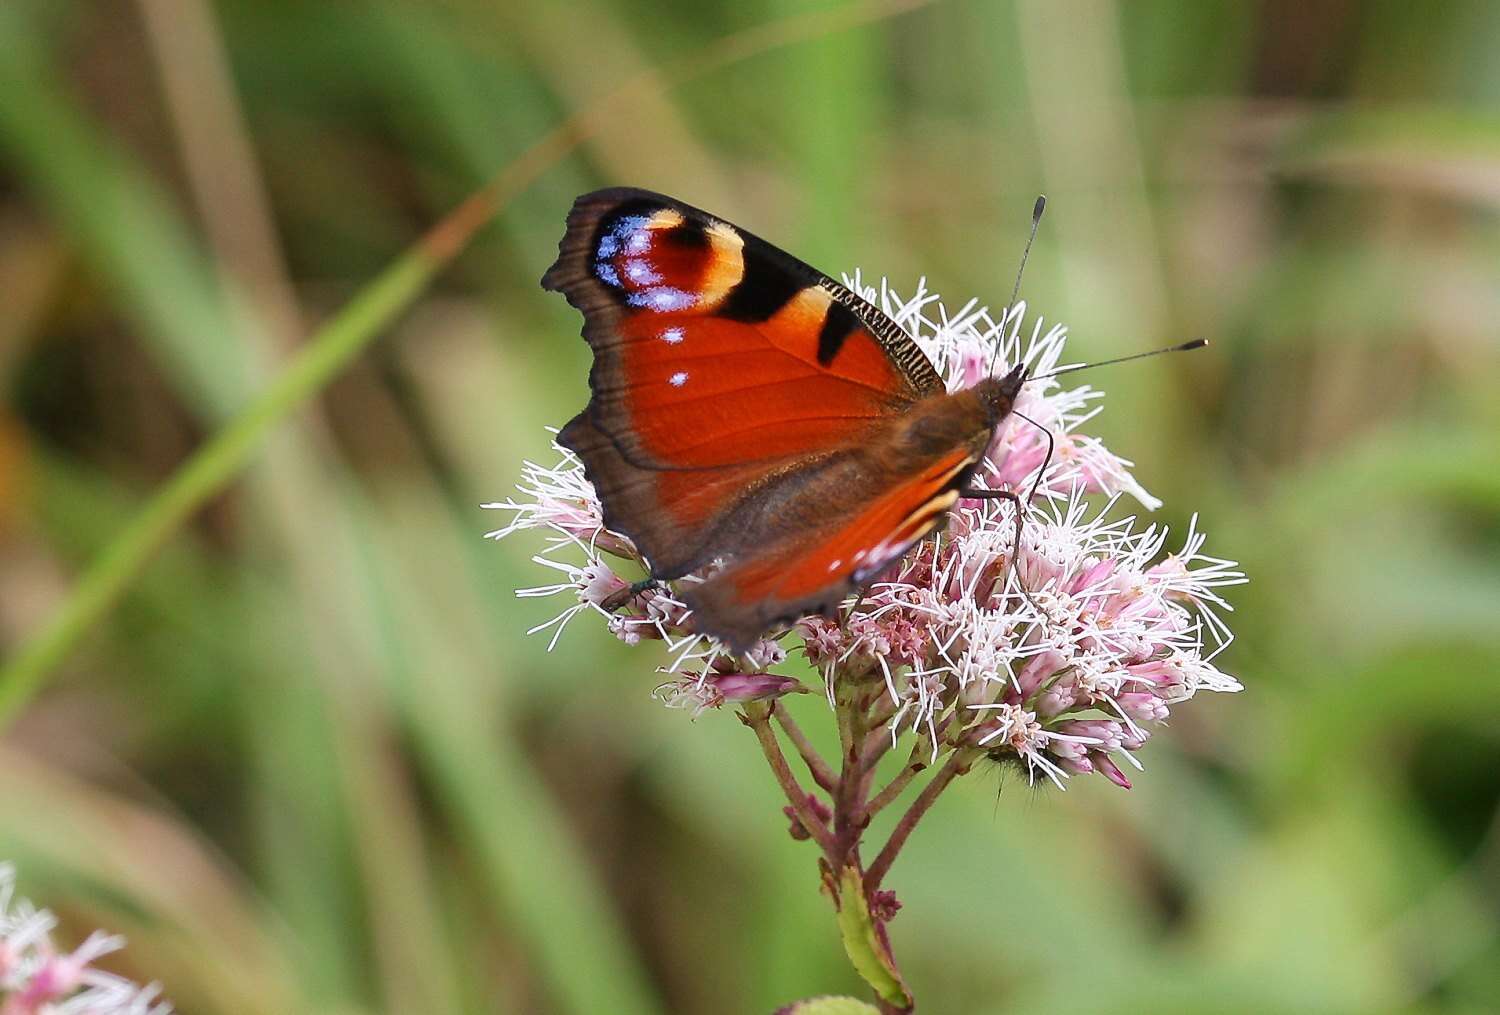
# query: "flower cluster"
[36,979]
[1062,652]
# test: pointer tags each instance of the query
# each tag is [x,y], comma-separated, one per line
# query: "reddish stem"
[816,766]
[848,801]
[956,766]
[757,720]
[894,788]
[875,746]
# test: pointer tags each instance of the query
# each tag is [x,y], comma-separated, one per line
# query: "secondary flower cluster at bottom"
[37,979]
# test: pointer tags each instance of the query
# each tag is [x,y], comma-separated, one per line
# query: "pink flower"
[36,979]
[1062,652]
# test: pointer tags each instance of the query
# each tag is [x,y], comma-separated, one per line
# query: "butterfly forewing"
[733,390]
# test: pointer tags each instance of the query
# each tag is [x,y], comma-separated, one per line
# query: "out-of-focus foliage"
[311,763]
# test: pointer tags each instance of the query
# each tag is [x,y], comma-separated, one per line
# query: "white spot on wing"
[671,336]
[640,271]
[678,379]
[662,299]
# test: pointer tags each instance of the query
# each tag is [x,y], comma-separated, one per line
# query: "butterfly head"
[997,395]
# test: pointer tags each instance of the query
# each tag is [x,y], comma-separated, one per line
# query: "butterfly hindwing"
[812,570]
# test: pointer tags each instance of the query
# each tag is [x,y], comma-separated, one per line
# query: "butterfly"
[749,410]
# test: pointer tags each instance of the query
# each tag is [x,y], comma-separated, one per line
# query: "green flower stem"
[850,886]
[849,800]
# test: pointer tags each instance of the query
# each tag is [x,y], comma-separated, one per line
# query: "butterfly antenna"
[1197,343]
[1036,219]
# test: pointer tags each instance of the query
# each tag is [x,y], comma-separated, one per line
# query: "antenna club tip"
[1197,343]
[1039,207]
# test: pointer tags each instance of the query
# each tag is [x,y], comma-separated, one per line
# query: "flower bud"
[699,692]
[797,829]
[1105,733]
[1142,706]
[754,686]
[1107,768]
[884,906]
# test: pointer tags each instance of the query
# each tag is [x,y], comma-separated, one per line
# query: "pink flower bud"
[754,686]
[823,640]
[1068,749]
[974,365]
[1094,576]
[797,829]
[57,977]
[1106,732]
[1057,699]
[630,633]
[699,692]
[1142,706]
[1036,671]
[1107,768]
[1156,672]
[765,654]
[884,906]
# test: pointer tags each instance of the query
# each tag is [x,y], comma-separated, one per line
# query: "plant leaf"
[829,1006]
[862,940]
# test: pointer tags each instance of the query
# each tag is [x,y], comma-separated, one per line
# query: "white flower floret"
[37,979]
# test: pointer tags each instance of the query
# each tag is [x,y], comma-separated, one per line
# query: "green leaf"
[829,1006]
[869,954]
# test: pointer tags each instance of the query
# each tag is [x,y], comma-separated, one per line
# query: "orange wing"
[722,366]
[811,571]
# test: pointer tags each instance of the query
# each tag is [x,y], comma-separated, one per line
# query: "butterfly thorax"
[940,426]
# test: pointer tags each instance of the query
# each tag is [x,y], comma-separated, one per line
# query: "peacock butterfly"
[748,408]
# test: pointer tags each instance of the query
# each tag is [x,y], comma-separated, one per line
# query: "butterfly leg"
[612,603]
[1047,461]
[844,623]
[1019,505]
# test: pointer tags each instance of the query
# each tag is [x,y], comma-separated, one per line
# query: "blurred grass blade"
[338,341]
[209,469]
[122,224]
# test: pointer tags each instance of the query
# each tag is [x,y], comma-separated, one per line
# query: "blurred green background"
[310,762]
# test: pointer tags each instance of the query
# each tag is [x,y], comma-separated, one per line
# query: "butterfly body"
[748,409]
